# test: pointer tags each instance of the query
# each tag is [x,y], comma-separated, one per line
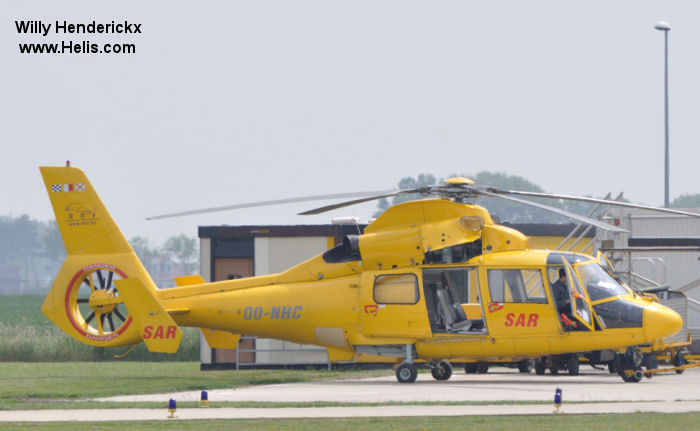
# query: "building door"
[230,268]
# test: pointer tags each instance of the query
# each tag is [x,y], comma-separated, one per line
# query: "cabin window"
[516,285]
[396,289]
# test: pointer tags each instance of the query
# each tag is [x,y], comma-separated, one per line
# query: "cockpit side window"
[516,285]
[599,283]
[553,273]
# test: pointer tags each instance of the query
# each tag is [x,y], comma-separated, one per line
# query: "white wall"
[205,271]
[274,255]
[675,269]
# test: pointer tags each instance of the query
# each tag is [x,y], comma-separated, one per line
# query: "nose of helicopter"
[660,321]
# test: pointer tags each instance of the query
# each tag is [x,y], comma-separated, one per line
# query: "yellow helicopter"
[432,280]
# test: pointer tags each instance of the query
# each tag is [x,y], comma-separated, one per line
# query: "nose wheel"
[679,360]
[650,363]
[630,361]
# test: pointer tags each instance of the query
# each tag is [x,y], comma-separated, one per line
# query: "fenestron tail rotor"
[94,305]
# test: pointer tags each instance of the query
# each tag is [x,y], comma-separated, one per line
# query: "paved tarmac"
[502,385]
[601,392]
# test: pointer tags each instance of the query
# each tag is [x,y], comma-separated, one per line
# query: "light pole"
[663,26]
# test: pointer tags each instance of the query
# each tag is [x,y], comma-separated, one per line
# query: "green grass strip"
[617,422]
[24,382]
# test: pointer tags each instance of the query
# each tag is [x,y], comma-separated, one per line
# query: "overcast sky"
[229,102]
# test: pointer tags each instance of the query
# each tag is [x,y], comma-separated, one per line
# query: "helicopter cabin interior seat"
[454,317]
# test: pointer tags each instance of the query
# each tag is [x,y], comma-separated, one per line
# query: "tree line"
[511,212]
[32,252]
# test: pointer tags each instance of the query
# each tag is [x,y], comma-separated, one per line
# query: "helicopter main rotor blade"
[594,222]
[594,200]
[358,201]
[267,203]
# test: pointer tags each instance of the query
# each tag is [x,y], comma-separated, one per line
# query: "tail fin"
[84,300]
[85,224]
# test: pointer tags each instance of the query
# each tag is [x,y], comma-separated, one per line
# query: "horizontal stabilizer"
[221,339]
[158,330]
[189,280]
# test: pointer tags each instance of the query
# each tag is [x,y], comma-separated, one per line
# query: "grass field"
[27,336]
[63,384]
[636,421]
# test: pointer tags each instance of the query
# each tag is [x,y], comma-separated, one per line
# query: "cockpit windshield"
[598,282]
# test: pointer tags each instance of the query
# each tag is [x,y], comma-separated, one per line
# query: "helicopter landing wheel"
[618,366]
[572,364]
[678,360]
[407,373]
[482,368]
[540,367]
[525,366]
[441,371]
[627,362]
[651,363]
[636,377]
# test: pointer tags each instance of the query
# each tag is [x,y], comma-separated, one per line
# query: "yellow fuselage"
[341,313]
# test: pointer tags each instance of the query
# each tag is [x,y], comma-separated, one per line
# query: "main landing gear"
[556,363]
[441,370]
[476,368]
[407,372]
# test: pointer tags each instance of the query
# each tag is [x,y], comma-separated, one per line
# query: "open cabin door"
[391,305]
[579,302]
[452,300]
